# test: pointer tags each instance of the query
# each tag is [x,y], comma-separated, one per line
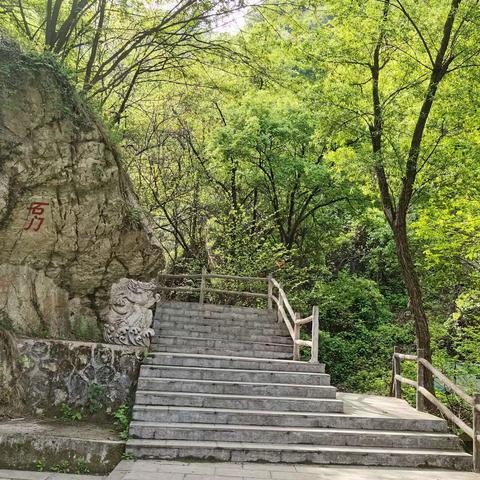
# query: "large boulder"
[70,223]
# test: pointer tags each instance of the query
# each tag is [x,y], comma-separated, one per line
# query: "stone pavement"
[169,470]
[158,470]
[22,475]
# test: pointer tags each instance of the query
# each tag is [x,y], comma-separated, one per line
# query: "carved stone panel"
[129,317]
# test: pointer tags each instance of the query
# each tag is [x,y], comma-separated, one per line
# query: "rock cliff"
[70,224]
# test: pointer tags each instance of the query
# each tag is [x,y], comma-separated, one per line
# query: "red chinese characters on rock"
[36,217]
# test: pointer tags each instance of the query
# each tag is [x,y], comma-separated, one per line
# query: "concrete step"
[244,323]
[215,343]
[299,453]
[306,419]
[217,317]
[283,435]
[221,351]
[232,375]
[235,388]
[219,327]
[250,336]
[254,318]
[243,402]
[232,362]
[213,309]
[211,306]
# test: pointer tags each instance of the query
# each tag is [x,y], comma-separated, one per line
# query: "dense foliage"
[333,144]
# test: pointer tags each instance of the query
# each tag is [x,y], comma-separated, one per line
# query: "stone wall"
[10,393]
[94,377]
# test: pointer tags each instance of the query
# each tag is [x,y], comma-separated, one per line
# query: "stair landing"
[366,406]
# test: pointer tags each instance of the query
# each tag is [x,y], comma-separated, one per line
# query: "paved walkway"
[21,475]
[158,470]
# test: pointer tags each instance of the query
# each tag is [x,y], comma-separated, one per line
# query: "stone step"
[299,453]
[237,318]
[185,414]
[220,327]
[208,308]
[253,318]
[226,314]
[282,435]
[215,343]
[220,313]
[224,374]
[235,388]
[232,362]
[244,323]
[243,402]
[221,351]
[250,336]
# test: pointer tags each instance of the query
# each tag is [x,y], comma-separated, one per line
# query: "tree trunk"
[414,291]
[397,216]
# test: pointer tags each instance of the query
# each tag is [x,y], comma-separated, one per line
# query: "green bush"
[358,333]
[349,304]
[69,413]
[464,326]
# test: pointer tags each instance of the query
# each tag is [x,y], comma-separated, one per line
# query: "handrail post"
[202,286]
[476,432]
[397,370]
[420,380]
[315,335]
[296,336]
[270,292]
[280,301]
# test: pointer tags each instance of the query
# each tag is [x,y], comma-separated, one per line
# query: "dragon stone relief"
[129,317]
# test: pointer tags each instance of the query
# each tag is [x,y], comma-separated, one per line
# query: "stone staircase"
[220,384]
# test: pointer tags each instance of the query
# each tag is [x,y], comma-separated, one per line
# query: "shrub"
[123,416]
[358,333]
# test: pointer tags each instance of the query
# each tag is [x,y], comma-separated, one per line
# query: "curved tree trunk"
[396,211]
[414,291]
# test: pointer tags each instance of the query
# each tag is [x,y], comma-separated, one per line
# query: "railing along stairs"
[276,299]
[422,393]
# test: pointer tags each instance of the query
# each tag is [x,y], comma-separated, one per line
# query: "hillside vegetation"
[333,144]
